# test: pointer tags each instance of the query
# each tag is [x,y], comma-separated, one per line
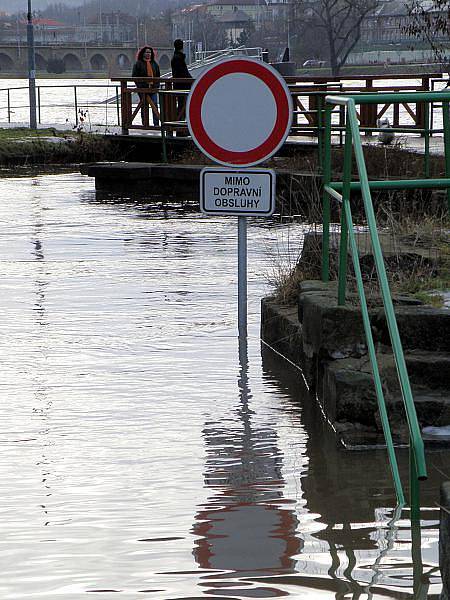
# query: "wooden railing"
[308,96]
[368,114]
[171,107]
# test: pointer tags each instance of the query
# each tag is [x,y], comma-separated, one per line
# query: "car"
[314,62]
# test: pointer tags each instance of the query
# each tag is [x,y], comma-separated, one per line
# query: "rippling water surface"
[144,453]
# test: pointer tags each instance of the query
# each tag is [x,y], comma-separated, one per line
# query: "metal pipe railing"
[341,190]
[74,104]
[308,95]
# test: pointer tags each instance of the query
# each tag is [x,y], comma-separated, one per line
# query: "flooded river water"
[144,453]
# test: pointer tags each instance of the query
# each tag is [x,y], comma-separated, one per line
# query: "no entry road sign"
[239,112]
[245,193]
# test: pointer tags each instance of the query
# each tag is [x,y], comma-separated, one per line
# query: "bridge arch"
[41,63]
[6,62]
[164,62]
[72,62]
[99,62]
[123,62]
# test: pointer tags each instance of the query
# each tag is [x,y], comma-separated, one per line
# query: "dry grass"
[416,248]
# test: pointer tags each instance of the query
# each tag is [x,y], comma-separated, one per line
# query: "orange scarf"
[148,64]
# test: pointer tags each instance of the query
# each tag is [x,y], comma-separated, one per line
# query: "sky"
[13,6]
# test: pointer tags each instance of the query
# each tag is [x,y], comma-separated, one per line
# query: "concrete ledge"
[116,170]
[160,179]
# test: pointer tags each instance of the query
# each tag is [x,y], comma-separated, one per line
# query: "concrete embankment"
[328,343]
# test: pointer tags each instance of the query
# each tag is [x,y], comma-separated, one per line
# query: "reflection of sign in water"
[245,527]
[248,538]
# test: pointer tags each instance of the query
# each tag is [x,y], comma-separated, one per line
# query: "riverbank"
[357,70]
[22,146]
[374,69]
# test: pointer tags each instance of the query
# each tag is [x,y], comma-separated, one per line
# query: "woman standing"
[146,66]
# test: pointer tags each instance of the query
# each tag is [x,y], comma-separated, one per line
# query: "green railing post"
[427,140]
[414,488]
[446,123]
[326,198]
[373,357]
[343,245]
[387,298]
[417,466]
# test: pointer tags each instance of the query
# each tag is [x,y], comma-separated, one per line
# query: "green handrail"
[341,190]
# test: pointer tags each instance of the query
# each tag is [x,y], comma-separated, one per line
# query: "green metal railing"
[341,191]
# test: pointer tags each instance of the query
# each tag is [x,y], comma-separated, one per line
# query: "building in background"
[384,39]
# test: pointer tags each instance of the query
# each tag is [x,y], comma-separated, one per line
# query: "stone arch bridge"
[86,60]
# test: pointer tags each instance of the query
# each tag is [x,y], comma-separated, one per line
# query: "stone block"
[329,330]
[430,369]
[420,327]
[281,330]
[348,393]
[315,285]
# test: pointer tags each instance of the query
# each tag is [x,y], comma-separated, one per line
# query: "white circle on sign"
[241,118]
[239,112]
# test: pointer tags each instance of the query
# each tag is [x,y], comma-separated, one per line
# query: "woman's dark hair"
[140,54]
[178,44]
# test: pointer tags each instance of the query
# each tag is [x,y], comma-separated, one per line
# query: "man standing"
[180,71]
[179,67]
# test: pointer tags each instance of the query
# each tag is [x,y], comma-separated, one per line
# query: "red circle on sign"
[282,99]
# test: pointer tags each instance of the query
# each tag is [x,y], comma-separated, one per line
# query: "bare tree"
[340,24]
[207,30]
[430,22]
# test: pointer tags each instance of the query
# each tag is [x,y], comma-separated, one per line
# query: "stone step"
[420,327]
[332,331]
[431,369]
[348,395]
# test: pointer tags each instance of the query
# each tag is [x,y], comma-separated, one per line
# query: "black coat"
[140,70]
[180,70]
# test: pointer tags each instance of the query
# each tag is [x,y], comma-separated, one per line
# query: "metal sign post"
[242,276]
[31,68]
[239,113]
[241,192]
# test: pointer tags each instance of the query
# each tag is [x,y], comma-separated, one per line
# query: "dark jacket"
[179,69]
[140,69]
